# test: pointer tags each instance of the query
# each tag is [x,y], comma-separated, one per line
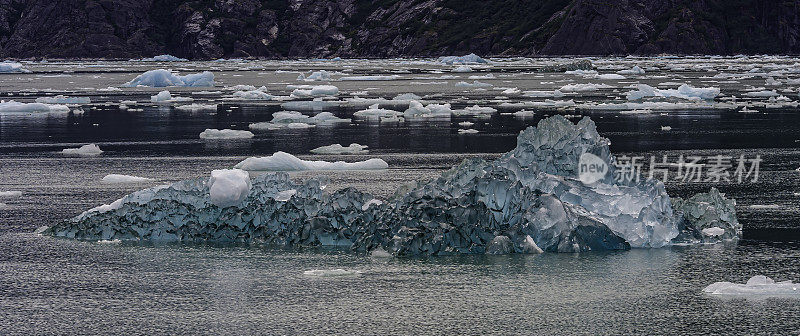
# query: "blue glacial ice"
[165,78]
[529,200]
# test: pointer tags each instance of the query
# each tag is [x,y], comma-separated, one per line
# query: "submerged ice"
[529,200]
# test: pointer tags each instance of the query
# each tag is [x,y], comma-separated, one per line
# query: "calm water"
[54,286]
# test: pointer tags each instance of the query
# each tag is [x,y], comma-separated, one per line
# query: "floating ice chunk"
[583,64]
[61,99]
[11,67]
[683,92]
[466,124]
[475,110]
[713,231]
[257,94]
[486,76]
[610,76]
[162,96]
[112,241]
[375,113]
[407,97]
[581,72]
[475,84]
[666,128]
[466,59]
[587,87]
[215,134]
[242,87]
[10,194]
[511,91]
[316,91]
[757,286]
[370,78]
[354,148]
[85,150]
[380,253]
[228,187]
[417,110]
[118,178]
[331,273]
[321,75]
[462,68]
[467,131]
[313,105]
[297,120]
[285,195]
[524,114]
[163,58]
[197,107]
[762,94]
[636,70]
[16,107]
[165,78]
[281,161]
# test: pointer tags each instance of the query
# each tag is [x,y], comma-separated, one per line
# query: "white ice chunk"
[214,134]
[228,187]
[369,78]
[636,70]
[118,178]
[281,161]
[165,78]
[10,194]
[757,286]
[9,67]
[331,273]
[61,99]
[354,148]
[17,107]
[85,150]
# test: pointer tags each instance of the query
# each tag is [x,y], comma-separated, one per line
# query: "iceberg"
[474,84]
[197,107]
[294,119]
[706,218]
[462,69]
[281,161]
[636,70]
[215,134]
[12,67]
[165,78]
[258,94]
[531,199]
[466,59]
[583,64]
[315,91]
[757,286]
[369,78]
[10,194]
[375,113]
[354,148]
[315,76]
[85,150]
[588,87]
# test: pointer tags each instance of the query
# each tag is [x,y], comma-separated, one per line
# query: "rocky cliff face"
[207,29]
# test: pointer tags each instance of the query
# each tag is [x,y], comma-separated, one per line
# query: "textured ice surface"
[118,178]
[228,187]
[683,92]
[85,150]
[214,134]
[294,119]
[354,148]
[17,107]
[8,67]
[165,78]
[757,286]
[706,217]
[281,161]
[466,59]
[61,99]
[527,201]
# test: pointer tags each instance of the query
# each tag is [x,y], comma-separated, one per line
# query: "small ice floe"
[306,91]
[313,105]
[165,78]
[162,58]
[636,70]
[587,87]
[610,77]
[524,114]
[642,111]
[255,94]
[10,194]
[684,91]
[224,134]
[764,206]
[296,120]
[281,161]
[466,124]
[747,110]
[467,131]
[17,107]
[197,107]
[511,91]
[85,150]
[334,149]
[462,69]
[543,94]
[762,94]
[475,110]
[166,97]
[61,99]
[474,84]
[416,110]
[713,231]
[228,187]
[331,273]
[112,241]
[666,128]
[757,286]
[120,179]
[369,78]
[376,113]
[321,75]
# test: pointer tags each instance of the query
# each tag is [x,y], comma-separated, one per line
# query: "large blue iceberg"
[529,200]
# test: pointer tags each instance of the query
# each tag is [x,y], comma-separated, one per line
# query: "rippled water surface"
[56,286]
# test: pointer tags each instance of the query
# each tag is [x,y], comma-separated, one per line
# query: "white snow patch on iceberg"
[228,187]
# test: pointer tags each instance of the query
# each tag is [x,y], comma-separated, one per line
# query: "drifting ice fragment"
[757,286]
[61,99]
[165,78]
[213,134]
[118,178]
[281,161]
[16,107]
[354,148]
[85,150]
